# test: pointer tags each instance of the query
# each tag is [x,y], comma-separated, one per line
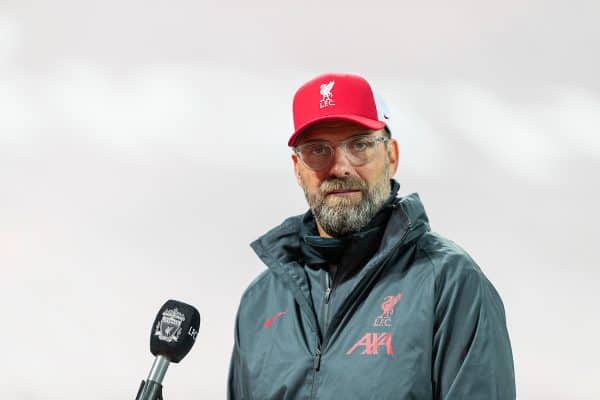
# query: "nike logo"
[270,321]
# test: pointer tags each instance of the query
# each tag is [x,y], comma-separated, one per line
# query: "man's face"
[344,197]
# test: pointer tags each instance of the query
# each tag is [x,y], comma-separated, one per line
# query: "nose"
[340,166]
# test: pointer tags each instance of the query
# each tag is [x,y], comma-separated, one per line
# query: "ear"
[296,162]
[393,154]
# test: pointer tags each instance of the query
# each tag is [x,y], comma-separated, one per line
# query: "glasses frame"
[334,145]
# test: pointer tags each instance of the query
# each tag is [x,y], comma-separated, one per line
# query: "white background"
[143,146]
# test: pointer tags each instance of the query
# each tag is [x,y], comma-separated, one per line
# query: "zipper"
[316,367]
[318,350]
[317,360]
[328,290]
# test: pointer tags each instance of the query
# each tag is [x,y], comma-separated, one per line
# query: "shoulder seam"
[263,275]
[433,266]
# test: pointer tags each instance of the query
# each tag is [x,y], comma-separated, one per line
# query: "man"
[361,300]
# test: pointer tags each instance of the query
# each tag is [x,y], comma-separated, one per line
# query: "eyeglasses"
[320,154]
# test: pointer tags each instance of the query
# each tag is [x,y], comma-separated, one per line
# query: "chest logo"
[387,308]
[371,342]
[270,321]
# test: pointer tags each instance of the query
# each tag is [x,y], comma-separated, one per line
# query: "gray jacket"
[418,321]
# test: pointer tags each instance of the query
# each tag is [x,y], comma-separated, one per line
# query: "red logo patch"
[270,321]
[371,343]
[385,319]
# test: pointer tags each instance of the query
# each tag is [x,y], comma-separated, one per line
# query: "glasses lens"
[316,155]
[361,149]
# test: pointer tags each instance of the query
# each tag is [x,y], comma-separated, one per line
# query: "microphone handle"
[151,389]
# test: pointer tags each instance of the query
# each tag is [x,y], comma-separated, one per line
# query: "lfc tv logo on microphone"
[168,328]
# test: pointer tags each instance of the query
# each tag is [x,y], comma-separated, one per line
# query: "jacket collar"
[281,245]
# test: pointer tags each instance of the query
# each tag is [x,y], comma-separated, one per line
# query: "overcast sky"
[143,146]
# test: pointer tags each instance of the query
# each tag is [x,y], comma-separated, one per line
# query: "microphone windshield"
[174,330]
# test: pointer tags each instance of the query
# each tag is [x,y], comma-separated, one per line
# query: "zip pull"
[327,294]
[328,288]
[317,360]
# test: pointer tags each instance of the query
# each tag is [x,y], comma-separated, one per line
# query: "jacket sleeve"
[472,355]
[237,383]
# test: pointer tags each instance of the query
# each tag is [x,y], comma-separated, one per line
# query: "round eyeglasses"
[320,154]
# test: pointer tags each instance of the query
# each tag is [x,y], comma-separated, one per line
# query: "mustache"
[335,184]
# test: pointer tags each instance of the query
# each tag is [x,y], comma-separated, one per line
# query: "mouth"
[344,192]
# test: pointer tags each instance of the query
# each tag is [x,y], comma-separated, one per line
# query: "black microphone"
[173,334]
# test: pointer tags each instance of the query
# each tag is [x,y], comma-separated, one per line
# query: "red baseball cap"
[336,96]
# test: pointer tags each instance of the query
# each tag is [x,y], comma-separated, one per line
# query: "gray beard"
[344,217]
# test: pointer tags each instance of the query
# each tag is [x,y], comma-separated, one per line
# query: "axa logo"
[385,319]
[270,321]
[327,97]
[371,342]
